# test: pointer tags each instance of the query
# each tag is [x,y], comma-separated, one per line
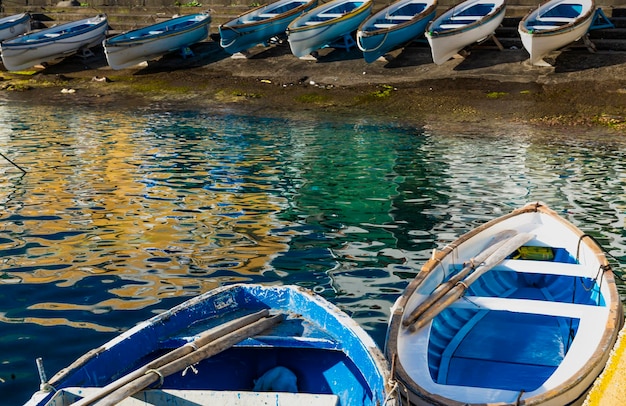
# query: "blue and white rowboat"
[14,25]
[522,310]
[394,26]
[259,25]
[148,43]
[462,25]
[326,24]
[53,43]
[240,344]
[555,24]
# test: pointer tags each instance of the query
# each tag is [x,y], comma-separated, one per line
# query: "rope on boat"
[159,374]
[604,268]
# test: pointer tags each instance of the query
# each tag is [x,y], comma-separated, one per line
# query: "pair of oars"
[207,344]
[500,247]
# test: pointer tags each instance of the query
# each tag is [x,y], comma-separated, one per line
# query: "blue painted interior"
[508,350]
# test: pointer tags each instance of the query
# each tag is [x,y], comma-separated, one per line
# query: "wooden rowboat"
[14,25]
[257,26]
[553,25]
[147,43]
[522,310]
[235,344]
[326,24]
[53,43]
[464,24]
[394,26]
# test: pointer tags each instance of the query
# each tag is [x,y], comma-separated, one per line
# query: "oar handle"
[204,338]
[459,289]
[204,352]
[496,242]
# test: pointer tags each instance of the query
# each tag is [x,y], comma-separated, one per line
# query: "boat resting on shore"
[464,24]
[394,26]
[553,25]
[147,43]
[53,43]
[522,310]
[257,26]
[326,24]
[14,25]
[238,343]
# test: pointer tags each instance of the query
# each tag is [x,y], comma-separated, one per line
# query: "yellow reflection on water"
[96,202]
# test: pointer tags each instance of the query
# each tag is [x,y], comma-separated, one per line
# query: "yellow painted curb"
[610,387]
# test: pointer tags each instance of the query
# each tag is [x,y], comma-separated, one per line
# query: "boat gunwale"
[595,362]
[426,13]
[276,18]
[571,26]
[365,7]
[23,40]
[123,40]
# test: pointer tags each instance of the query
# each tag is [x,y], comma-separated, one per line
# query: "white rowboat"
[523,310]
[148,43]
[326,24]
[553,25]
[53,43]
[464,24]
[12,26]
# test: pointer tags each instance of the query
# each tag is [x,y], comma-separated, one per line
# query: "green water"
[121,215]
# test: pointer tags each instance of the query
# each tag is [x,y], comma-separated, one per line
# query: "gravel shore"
[489,87]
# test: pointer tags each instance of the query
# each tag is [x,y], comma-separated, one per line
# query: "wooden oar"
[202,340]
[204,352]
[459,289]
[494,244]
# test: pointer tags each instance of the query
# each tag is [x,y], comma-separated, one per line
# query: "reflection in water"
[123,215]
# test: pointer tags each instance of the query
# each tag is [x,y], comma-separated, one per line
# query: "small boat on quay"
[394,26]
[257,26]
[53,43]
[464,24]
[553,25]
[326,24]
[522,310]
[237,344]
[148,43]
[14,25]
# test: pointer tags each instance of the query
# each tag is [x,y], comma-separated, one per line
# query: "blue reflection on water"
[122,215]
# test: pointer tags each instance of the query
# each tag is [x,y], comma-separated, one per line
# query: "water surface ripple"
[121,215]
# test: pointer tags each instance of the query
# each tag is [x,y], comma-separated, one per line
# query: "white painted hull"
[539,41]
[598,317]
[148,43]
[13,26]
[444,44]
[53,43]
[306,35]
[259,25]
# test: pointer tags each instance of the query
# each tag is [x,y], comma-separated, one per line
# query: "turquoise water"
[121,215]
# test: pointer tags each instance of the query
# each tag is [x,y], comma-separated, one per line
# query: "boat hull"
[445,43]
[308,33]
[148,43]
[540,37]
[330,355]
[538,325]
[385,30]
[259,25]
[53,43]
[13,26]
